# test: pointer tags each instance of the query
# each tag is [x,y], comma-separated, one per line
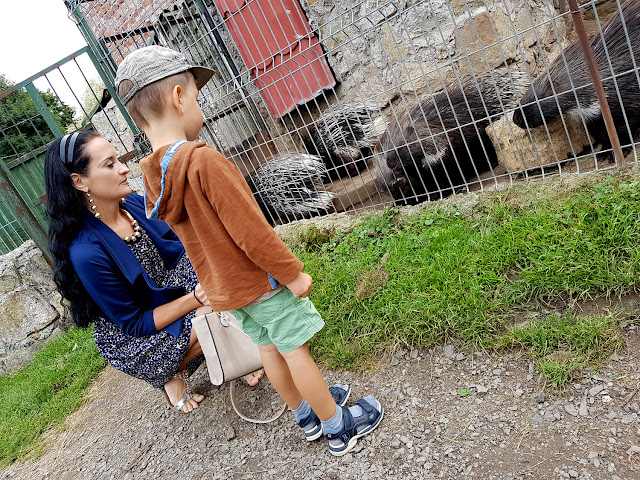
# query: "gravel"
[507,427]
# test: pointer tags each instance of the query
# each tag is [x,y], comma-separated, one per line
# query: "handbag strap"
[232,390]
[277,415]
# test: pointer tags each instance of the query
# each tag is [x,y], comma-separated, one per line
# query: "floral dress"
[153,358]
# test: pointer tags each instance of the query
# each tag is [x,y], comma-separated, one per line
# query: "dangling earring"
[123,200]
[93,207]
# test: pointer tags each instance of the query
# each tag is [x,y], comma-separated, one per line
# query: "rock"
[583,411]
[633,449]
[519,150]
[229,433]
[573,474]
[449,351]
[571,410]
[30,310]
[593,391]
[628,418]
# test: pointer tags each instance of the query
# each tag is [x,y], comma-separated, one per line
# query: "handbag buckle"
[223,319]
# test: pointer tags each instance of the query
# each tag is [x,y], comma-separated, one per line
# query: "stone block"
[519,150]
[28,313]
[23,313]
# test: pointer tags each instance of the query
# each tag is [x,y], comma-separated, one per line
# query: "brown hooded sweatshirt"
[207,203]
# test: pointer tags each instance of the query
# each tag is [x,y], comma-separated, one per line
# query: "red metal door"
[283,56]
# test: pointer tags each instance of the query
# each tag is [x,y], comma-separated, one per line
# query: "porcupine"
[289,187]
[561,76]
[440,141]
[344,136]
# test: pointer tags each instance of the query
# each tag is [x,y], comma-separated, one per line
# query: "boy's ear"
[176,98]
[78,183]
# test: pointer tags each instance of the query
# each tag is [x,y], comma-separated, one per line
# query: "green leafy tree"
[92,94]
[22,128]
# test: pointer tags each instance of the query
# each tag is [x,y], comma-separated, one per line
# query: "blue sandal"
[311,423]
[349,434]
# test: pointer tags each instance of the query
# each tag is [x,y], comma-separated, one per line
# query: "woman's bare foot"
[176,390]
[252,379]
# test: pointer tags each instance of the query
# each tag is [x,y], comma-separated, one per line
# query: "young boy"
[241,263]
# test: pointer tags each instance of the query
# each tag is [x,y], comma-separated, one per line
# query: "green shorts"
[284,320]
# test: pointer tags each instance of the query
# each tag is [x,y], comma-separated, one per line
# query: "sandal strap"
[348,427]
[350,424]
[184,376]
[366,406]
[181,403]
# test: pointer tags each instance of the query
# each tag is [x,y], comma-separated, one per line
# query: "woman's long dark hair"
[66,209]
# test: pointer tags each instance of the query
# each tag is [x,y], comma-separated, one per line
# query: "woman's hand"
[301,285]
[200,295]
[165,315]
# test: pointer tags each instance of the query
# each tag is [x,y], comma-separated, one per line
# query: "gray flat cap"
[150,64]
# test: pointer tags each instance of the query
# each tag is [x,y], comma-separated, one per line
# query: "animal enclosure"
[330,105]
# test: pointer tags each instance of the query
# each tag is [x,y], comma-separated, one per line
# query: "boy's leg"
[309,382]
[279,375]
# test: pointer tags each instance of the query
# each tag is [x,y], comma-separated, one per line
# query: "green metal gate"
[30,119]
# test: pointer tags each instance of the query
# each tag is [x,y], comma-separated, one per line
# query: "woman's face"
[106,178]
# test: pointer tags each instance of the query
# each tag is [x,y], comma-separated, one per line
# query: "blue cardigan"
[114,278]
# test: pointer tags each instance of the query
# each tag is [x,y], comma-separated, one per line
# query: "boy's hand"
[301,285]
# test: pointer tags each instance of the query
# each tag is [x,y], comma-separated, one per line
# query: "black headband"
[66,155]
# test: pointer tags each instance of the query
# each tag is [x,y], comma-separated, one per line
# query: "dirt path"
[505,429]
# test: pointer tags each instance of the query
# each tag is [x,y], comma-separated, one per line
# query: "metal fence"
[335,105]
[63,97]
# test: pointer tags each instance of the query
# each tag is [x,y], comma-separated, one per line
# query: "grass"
[44,393]
[449,275]
[417,281]
[565,345]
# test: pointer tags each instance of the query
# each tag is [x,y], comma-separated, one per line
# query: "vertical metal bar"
[43,109]
[92,41]
[597,83]
[23,212]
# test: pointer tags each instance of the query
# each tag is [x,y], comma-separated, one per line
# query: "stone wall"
[387,49]
[30,310]
[113,127]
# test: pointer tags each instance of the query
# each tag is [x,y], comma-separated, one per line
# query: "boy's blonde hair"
[151,100]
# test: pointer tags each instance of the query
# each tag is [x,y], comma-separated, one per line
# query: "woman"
[126,274]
